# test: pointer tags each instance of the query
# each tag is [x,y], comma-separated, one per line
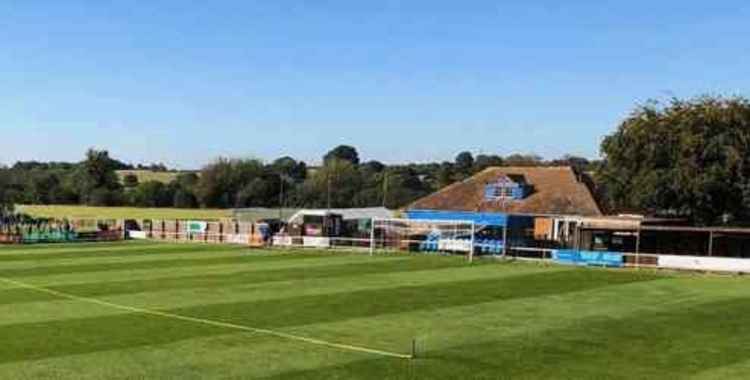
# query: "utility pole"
[281,197]
[329,191]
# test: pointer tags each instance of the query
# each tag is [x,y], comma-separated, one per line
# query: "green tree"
[518,159]
[221,181]
[465,163]
[403,187]
[96,176]
[342,153]
[130,180]
[686,157]
[338,181]
[484,161]
[152,194]
[184,198]
[6,202]
[288,167]
[444,175]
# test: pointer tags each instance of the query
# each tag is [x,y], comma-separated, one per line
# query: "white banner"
[719,264]
[237,239]
[282,241]
[317,242]
[137,234]
[454,245]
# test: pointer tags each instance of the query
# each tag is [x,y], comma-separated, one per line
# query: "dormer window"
[506,188]
[501,192]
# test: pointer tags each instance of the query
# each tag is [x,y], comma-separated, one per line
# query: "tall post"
[329,191]
[471,246]
[281,197]
[372,236]
[385,187]
[711,243]
[505,240]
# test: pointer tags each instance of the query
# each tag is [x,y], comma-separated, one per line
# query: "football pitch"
[164,311]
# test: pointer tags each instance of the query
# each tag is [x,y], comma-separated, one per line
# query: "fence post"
[471,246]
[221,232]
[505,240]
[638,248]
[372,236]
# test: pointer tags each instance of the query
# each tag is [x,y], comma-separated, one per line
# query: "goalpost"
[427,236]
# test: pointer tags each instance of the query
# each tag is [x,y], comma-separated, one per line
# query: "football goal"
[427,236]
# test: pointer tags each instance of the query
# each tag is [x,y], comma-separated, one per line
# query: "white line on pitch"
[209,322]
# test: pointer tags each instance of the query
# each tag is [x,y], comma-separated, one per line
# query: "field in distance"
[148,310]
[65,211]
[149,175]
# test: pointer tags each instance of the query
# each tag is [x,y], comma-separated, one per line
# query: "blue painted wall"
[479,218]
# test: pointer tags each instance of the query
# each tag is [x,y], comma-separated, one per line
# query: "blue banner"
[588,258]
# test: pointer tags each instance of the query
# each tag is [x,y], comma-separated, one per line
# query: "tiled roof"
[554,191]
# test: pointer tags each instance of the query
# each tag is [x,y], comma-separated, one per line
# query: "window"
[496,191]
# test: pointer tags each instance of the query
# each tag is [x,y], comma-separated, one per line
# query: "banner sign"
[196,227]
[588,258]
[718,264]
[137,235]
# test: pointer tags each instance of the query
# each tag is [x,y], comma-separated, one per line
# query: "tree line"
[341,181]
[682,158]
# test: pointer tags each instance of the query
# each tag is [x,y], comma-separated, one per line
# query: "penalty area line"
[227,325]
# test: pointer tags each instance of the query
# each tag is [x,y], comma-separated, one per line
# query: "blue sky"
[415,80]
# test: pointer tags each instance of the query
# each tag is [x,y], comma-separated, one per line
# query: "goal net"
[427,236]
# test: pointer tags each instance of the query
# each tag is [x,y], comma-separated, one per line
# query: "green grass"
[484,320]
[55,211]
[73,212]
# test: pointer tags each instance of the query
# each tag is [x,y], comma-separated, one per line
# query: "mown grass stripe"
[50,270]
[313,309]
[209,322]
[676,343]
[79,246]
[252,277]
[130,252]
